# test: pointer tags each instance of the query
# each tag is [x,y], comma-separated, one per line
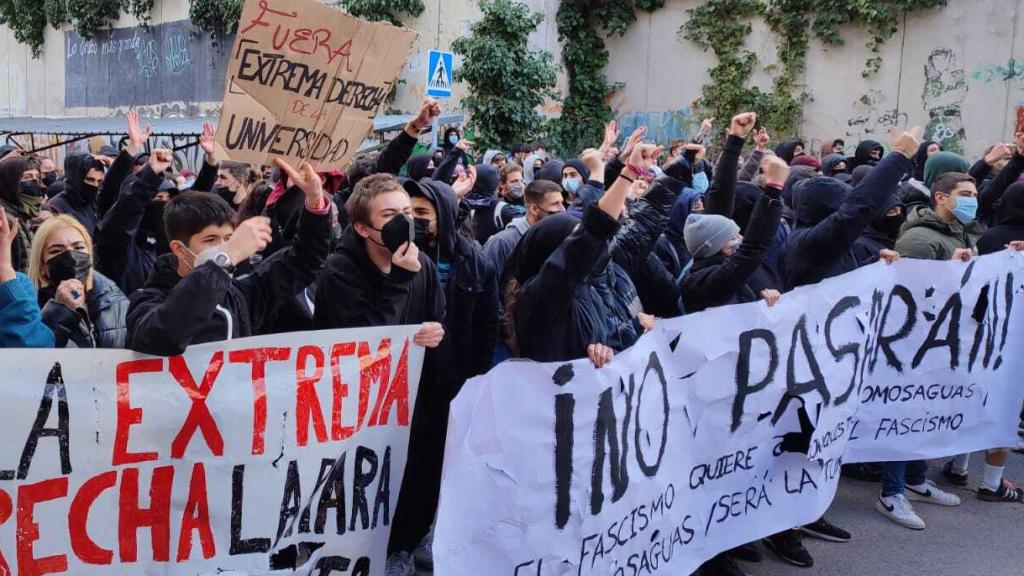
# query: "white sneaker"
[898,509]
[400,564]
[424,553]
[932,494]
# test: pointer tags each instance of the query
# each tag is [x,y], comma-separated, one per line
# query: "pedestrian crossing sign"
[439,74]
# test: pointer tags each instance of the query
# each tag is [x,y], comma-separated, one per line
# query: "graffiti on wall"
[872,119]
[945,87]
[662,127]
[1011,71]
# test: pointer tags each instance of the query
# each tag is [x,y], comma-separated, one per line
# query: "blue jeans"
[896,476]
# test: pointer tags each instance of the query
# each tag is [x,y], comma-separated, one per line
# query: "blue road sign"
[439,74]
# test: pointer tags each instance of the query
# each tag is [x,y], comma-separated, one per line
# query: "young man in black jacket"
[191,297]
[379,277]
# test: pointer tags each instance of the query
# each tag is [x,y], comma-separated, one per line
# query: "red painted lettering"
[6,509]
[397,394]
[28,530]
[258,358]
[199,416]
[265,9]
[128,416]
[307,403]
[373,369]
[196,517]
[78,519]
[340,389]
[157,517]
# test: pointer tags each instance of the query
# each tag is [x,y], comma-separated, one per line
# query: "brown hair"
[508,169]
[946,183]
[238,170]
[358,204]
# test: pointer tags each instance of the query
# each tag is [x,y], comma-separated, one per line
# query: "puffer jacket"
[927,237]
[102,324]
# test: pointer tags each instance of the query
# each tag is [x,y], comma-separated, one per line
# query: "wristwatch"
[223,261]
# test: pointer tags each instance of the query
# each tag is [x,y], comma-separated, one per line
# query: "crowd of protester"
[522,255]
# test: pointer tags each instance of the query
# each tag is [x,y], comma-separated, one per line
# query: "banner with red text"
[253,455]
[675,452]
[305,81]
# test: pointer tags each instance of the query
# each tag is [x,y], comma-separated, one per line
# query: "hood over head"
[11,170]
[747,194]
[829,163]
[681,210]
[785,149]
[490,154]
[76,167]
[859,173]
[796,175]
[539,243]
[942,163]
[442,196]
[551,171]
[485,189]
[528,174]
[817,199]
[863,154]
[416,166]
[920,158]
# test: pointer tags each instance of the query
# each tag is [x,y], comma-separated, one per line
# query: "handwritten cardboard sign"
[305,81]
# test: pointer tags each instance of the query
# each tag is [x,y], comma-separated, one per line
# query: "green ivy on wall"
[722,26]
[382,10]
[585,109]
[141,9]
[27,20]
[507,81]
[215,17]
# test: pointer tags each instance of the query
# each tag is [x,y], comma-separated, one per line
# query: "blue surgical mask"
[570,184]
[700,182]
[453,139]
[966,210]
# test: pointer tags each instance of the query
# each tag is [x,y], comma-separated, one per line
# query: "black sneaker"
[866,472]
[953,477]
[747,553]
[788,548]
[1007,492]
[824,530]
[721,565]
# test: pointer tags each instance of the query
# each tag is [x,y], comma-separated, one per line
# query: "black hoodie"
[1011,222]
[130,238]
[863,157]
[77,199]
[470,286]
[786,149]
[172,313]
[881,234]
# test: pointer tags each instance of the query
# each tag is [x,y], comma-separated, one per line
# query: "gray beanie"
[707,234]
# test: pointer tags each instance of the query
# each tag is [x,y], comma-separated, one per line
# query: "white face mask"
[205,255]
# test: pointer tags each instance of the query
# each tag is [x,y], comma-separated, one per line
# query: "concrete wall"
[951,70]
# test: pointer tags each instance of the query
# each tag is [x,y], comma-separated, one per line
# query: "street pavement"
[974,539]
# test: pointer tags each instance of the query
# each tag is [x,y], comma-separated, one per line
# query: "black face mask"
[890,226]
[49,178]
[396,232]
[69,264]
[31,188]
[225,193]
[88,192]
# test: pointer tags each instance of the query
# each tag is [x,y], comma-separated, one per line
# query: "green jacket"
[927,237]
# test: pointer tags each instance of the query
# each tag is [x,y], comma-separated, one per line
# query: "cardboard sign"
[255,455]
[305,82]
[664,458]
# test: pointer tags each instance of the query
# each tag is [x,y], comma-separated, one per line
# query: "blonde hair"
[42,236]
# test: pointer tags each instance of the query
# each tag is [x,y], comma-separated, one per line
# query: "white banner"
[250,455]
[665,458]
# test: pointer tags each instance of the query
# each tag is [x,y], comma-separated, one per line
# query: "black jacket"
[172,313]
[127,242]
[353,293]
[470,286]
[578,296]
[719,280]
[102,324]
[74,200]
[875,237]
[862,156]
[1011,222]
[829,219]
[990,195]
